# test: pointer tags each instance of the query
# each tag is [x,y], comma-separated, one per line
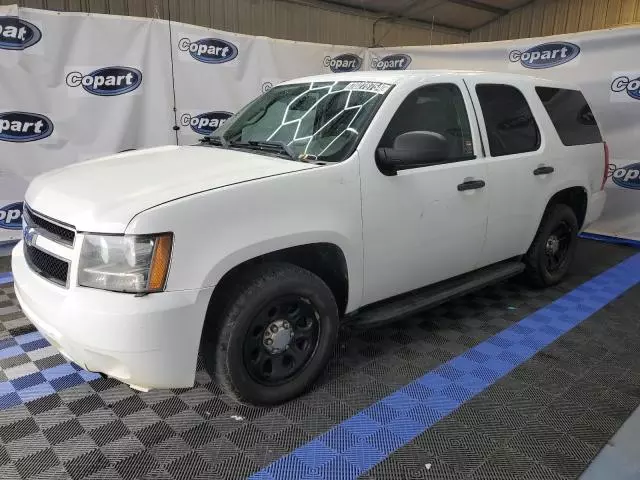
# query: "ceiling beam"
[376,14]
[481,6]
[521,7]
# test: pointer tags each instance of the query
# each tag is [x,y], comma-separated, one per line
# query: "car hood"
[104,194]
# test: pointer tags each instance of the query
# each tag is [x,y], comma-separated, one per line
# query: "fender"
[564,186]
[217,230]
[255,250]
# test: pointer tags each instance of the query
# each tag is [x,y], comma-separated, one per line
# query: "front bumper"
[147,342]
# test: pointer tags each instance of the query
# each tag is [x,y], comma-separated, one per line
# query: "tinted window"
[511,127]
[436,108]
[571,115]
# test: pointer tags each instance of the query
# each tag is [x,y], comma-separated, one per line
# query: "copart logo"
[546,55]
[627,177]
[24,127]
[209,50]
[625,84]
[347,62]
[205,123]
[11,216]
[107,81]
[398,61]
[18,34]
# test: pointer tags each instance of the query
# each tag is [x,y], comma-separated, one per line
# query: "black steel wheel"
[275,335]
[557,246]
[550,256]
[282,339]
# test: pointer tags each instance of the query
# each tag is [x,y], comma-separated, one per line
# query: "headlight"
[125,263]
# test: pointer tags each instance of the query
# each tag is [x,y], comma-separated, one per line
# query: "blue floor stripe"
[6,277]
[359,443]
[610,239]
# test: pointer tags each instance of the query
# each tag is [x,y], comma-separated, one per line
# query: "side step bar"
[408,304]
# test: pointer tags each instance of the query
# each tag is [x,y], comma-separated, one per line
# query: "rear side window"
[571,115]
[511,127]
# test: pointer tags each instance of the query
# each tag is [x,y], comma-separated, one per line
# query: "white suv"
[354,197]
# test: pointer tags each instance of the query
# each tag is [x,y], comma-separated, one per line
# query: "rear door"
[520,164]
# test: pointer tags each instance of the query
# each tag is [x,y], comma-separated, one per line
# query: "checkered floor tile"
[546,419]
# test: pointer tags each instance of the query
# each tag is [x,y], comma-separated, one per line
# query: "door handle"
[545,169]
[471,185]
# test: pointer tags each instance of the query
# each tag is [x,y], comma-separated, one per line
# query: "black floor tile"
[545,420]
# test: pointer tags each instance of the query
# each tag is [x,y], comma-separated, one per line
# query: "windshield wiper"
[215,140]
[280,147]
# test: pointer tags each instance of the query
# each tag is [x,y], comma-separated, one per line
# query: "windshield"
[308,121]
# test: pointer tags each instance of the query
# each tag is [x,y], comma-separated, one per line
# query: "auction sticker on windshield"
[375,87]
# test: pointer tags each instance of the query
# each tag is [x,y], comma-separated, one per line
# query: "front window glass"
[435,108]
[314,121]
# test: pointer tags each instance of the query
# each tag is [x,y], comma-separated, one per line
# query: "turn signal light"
[160,262]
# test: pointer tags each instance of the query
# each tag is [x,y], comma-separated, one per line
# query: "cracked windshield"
[305,121]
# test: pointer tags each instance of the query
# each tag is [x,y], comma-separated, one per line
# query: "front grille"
[46,265]
[49,229]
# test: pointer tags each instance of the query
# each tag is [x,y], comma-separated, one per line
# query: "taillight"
[606,165]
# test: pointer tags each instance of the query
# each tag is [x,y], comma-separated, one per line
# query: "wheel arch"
[327,260]
[575,197]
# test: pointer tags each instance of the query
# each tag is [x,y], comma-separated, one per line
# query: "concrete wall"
[552,17]
[291,19]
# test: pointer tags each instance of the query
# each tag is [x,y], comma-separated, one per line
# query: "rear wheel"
[275,336]
[550,256]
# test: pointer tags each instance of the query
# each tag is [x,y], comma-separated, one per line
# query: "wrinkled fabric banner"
[217,72]
[75,86]
[601,63]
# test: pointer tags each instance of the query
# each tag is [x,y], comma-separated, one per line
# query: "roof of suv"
[399,76]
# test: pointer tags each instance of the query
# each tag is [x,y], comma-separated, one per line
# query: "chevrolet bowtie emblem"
[30,236]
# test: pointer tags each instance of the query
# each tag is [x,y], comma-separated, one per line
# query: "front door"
[424,224]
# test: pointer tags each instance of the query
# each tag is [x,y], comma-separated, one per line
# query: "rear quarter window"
[571,115]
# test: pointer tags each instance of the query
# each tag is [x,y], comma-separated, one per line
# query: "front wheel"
[275,336]
[550,256]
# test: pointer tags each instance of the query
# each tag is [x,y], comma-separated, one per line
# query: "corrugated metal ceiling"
[461,14]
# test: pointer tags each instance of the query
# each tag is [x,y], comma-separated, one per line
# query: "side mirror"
[412,150]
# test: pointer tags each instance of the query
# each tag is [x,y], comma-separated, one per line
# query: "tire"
[235,355]
[541,271]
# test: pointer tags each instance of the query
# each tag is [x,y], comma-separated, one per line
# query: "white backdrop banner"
[603,63]
[216,72]
[75,86]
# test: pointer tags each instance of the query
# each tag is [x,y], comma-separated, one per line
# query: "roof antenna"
[433,21]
